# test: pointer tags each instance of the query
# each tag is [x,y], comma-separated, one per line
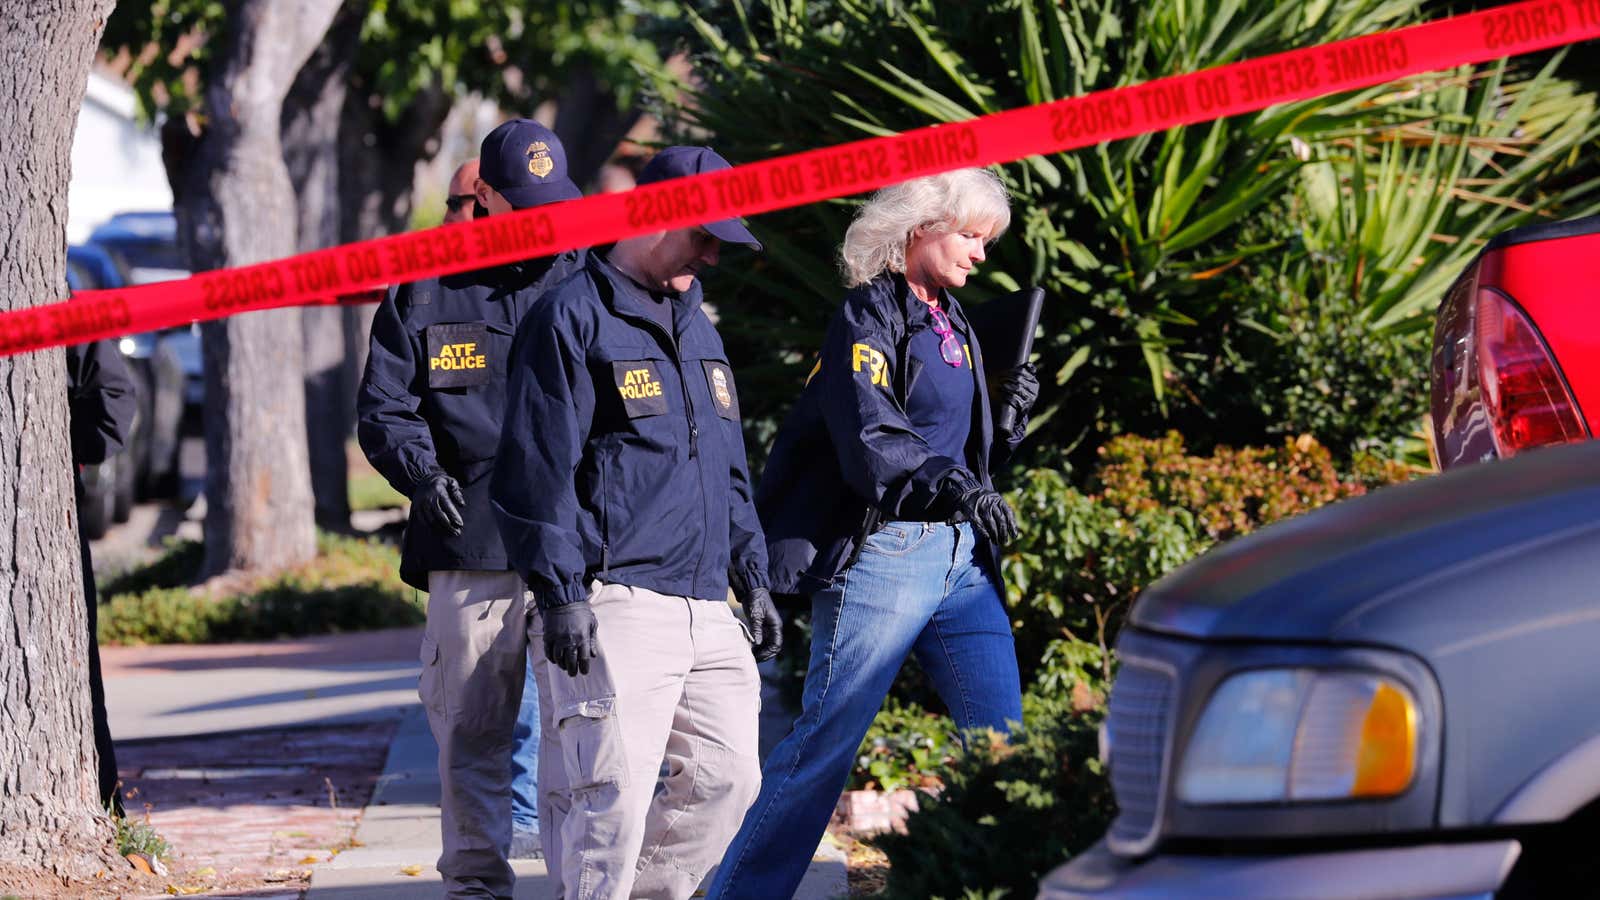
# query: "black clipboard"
[1005,326]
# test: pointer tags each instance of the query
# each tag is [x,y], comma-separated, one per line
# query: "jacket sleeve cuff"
[560,595]
[417,470]
[745,579]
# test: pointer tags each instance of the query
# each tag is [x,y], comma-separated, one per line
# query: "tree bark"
[51,827]
[380,158]
[589,123]
[312,115]
[238,207]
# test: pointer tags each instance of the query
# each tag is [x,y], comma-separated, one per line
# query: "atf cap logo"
[539,162]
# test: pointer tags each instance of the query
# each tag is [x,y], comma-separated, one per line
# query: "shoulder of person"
[571,304]
[415,298]
[873,306]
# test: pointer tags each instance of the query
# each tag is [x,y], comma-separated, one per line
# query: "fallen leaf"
[140,863]
[309,860]
[208,870]
[411,870]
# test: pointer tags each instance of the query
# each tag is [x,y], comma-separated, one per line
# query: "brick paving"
[255,809]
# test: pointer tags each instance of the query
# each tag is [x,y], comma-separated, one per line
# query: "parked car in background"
[132,249]
[144,246]
[1516,346]
[1391,696]
[109,486]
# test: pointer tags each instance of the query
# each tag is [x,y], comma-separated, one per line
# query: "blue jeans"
[917,588]
[525,756]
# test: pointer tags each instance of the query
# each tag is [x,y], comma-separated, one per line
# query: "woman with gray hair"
[878,506]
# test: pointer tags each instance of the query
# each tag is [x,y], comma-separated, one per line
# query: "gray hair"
[876,241]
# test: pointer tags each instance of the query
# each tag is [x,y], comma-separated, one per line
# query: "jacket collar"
[916,312]
[629,298]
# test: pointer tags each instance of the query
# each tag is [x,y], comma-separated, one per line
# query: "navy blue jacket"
[102,401]
[847,458]
[434,394]
[622,457]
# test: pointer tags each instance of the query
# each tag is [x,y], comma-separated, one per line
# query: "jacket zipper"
[694,431]
[683,385]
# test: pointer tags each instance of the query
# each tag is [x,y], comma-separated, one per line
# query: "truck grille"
[1141,705]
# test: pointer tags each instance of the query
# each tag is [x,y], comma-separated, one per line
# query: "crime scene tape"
[326,276]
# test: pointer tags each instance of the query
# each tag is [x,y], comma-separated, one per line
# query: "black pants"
[110,797]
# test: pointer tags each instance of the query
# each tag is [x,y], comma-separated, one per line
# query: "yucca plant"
[1383,216]
[1167,255]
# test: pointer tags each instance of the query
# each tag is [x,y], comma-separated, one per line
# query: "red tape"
[326,276]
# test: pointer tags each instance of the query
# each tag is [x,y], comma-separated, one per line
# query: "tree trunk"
[238,207]
[380,158]
[379,164]
[51,827]
[312,115]
[589,123]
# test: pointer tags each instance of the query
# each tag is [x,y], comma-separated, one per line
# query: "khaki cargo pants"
[656,760]
[474,664]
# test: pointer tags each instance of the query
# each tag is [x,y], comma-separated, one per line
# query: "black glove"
[988,512]
[766,628]
[1019,389]
[439,502]
[571,639]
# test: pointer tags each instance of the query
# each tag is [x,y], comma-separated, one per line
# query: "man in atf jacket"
[625,502]
[820,498]
[429,415]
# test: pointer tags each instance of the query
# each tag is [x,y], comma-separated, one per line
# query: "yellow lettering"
[466,349]
[860,353]
[875,362]
[445,351]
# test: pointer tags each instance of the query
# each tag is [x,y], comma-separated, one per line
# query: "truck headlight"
[1277,735]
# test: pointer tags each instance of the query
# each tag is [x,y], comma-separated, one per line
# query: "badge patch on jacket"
[720,379]
[458,355]
[639,384]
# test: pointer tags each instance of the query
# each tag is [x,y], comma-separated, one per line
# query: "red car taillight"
[1497,389]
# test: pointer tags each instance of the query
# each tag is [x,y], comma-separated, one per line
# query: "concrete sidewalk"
[171,690]
[399,832]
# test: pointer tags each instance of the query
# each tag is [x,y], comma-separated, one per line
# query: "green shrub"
[177,565]
[353,585]
[1009,812]
[1082,558]
[1260,275]
[906,747]
[134,836]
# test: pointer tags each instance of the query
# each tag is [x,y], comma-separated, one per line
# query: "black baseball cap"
[526,163]
[681,162]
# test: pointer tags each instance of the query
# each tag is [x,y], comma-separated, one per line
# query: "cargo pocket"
[428,686]
[591,744]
